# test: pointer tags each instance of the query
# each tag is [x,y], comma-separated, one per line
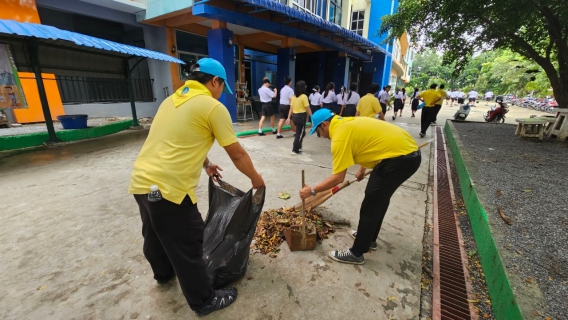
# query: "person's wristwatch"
[313,192]
[207,165]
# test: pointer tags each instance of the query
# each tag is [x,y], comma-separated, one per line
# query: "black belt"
[410,155]
[351,105]
[267,102]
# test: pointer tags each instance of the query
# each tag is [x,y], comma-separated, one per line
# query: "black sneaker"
[261,134]
[412,116]
[422,135]
[373,246]
[274,132]
[279,136]
[346,256]
[223,298]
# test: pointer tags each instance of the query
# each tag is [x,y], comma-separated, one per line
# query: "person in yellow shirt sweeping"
[166,174]
[387,149]
[430,98]
[369,105]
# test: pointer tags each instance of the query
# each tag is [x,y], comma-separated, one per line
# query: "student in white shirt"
[461,97]
[286,94]
[414,102]
[341,97]
[329,97]
[398,103]
[351,99]
[488,96]
[453,96]
[315,99]
[472,95]
[384,98]
[266,96]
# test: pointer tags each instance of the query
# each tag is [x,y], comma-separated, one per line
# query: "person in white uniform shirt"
[472,95]
[398,103]
[351,99]
[329,97]
[461,97]
[286,94]
[341,97]
[488,96]
[453,96]
[266,96]
[384,98]
[315,100]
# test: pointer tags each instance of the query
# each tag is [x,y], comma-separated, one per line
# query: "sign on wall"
[11,93]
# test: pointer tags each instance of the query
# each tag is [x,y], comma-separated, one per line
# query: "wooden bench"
[531,128]
[560,126]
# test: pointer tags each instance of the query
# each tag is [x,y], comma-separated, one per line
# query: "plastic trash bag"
[229,230]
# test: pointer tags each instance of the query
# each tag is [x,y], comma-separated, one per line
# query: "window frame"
[357,21]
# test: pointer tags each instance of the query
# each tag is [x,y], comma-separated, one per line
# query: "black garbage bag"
[229,229]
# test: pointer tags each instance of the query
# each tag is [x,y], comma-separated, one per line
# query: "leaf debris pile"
[269,233]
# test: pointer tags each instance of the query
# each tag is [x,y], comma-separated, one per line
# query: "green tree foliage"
[535,29]
[501,71]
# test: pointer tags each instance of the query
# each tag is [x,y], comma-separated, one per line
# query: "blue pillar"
[387,71]
[339,75]
[219,49]
[285,66]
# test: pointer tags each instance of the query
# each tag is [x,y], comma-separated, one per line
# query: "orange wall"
[19,10]
[34,112]
[26,11]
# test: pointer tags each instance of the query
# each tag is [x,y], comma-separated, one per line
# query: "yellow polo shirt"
[299,104]
[443,95]
[182,133]
[365,141]
[430,97]
[369,106]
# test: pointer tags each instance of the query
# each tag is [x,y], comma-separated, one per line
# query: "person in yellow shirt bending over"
[369,105]
[166,174]
[438,104]
[430,98]
[384,147]
[299,113]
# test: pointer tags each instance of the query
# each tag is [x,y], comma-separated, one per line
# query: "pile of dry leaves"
[269,231]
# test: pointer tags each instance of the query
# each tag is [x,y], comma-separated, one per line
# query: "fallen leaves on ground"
[283,195]
[269,233]
[499,193]
[528,280]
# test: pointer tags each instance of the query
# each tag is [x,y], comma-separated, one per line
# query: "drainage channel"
[450,286]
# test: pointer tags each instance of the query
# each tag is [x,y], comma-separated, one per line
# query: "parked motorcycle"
[497,113]
[462,112]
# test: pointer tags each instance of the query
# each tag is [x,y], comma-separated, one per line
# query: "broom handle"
[303,208]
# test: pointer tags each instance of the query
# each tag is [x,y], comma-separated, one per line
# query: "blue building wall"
[260,63]
[381,8]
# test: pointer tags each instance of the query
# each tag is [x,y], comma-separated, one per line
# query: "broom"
[314,201]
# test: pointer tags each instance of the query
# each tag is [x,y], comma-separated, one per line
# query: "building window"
[335,11]
[305,5]
[357,20]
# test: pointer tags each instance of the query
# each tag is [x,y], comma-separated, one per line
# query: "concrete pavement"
[71,244]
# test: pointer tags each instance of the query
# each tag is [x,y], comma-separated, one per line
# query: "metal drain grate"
[450,293]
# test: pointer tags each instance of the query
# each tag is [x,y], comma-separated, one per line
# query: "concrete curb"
[503,300]
[39,138]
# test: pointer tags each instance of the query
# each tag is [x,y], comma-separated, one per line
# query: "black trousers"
[437,107]
[299,120]
[173,242]
[386,177]
[427,117]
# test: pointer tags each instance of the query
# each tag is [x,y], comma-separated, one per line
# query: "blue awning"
[55,35]
[317,21]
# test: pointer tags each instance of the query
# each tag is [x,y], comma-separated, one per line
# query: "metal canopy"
[35,36]
[316,21]
[72,39]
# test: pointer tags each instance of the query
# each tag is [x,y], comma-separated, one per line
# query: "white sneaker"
[294,153]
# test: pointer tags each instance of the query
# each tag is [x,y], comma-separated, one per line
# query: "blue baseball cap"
[319,117]
[215,68]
